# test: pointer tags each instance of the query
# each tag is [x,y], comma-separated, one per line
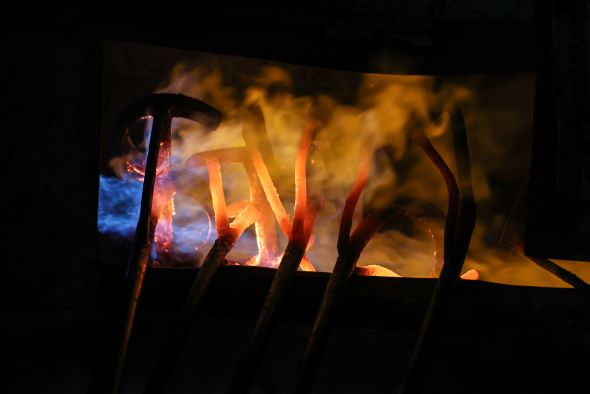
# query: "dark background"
[54,306]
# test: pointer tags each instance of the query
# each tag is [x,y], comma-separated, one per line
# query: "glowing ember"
[470,275]
[269,188]
[259,210]
[295,231]
[374,270]
[218,197]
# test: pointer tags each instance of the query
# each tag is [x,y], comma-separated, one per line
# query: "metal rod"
[299,233]
[144,234]
[162,107]
[563,274]
[331,301]
[349,253]
[248,365]
[172,346]
[456,246]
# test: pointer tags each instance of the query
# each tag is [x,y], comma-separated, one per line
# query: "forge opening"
[250,160]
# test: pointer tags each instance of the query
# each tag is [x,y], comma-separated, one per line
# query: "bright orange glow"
[266,181]
[249,215]
[264,199]
[352,200]
[374,270]
[301,182]
[470,275]
[217,197]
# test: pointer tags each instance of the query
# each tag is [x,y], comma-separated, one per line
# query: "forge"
[302,197]
[300,168]
[250,159]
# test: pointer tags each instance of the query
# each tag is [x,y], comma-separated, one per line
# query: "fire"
[247,175]
[163,207]
[264,200]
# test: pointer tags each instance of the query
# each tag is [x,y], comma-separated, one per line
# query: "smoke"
[357,112]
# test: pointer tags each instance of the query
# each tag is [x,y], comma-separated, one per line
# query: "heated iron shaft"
[162,108]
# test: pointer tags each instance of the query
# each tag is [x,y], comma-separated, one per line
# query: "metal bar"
[331,301]
[162,107]
[144,234]
[455,253]
[165,361]
[246,371]
[563,274]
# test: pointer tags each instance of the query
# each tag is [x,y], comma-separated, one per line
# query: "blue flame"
[119,201]
[191,226]
[118,211]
